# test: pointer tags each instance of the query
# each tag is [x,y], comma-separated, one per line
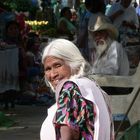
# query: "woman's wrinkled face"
[55,70]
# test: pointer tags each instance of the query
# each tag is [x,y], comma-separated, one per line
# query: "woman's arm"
[68,134]
[73,114]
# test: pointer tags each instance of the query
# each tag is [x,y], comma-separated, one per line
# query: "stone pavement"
[28,122]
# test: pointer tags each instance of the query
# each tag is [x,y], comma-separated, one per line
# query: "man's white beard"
[102,47]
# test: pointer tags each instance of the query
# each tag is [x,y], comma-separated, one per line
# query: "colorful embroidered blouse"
[74,111]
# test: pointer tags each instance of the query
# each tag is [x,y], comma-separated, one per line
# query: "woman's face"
[56,69]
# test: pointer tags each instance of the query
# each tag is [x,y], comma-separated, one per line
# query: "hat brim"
[113,32]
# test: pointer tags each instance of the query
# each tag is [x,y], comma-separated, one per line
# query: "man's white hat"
[102,23]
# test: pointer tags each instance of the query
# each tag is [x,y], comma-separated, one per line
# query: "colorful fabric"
[74,111]
[77,98]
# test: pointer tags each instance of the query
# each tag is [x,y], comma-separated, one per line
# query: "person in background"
[12,36]
[82,36]
[82,108]
[134,4]
[74,18]
[138,11]
[64,3]
[98,9]
[65,26]
[24,28]
[45,12]
[81,9]
[110,57]
[12,33]
[56,10]
[33,56]
[108,6]
[123,16]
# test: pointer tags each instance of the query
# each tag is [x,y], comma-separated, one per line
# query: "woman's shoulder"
[81,81]
[69,84]
[64,85]
[75,83]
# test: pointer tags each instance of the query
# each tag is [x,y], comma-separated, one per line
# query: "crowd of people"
[94,43]
[100,42]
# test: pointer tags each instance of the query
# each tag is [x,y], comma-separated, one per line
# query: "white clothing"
[138,2]
[89,91]
[9,71]
[47,131]
[128,15]
[113,62]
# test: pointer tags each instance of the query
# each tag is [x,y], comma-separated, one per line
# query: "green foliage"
[19,5]
[5,121]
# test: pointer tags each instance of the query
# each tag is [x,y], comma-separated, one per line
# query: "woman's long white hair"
[66,50]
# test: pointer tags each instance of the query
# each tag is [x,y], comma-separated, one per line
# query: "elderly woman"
[81,111]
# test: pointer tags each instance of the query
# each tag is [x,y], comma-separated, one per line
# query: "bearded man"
[109,56]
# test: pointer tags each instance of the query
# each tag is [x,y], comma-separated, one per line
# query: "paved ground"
[29,120]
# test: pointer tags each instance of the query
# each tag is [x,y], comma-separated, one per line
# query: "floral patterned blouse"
[74,111]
